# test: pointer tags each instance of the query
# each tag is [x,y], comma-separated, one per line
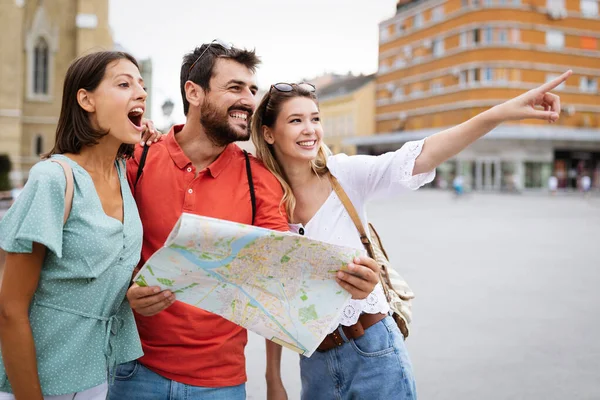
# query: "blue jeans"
[133,381]
[374,366]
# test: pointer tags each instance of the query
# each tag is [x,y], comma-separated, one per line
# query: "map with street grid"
[277,284]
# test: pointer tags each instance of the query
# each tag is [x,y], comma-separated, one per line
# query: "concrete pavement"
[507,305]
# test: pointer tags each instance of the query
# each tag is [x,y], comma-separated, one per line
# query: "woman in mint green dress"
[64,320]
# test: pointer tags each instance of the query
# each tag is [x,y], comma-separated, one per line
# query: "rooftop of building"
[344,86]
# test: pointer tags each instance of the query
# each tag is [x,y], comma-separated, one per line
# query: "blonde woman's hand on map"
[360,278]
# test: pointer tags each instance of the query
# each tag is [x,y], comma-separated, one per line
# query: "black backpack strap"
[141,165]
[251,184]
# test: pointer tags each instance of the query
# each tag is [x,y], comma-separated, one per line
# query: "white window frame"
[589,8]
[555,4]
[555,39]
[588,85]
[487,75]
[419,20]
[438,47]
[384,33]
[398,94]
[463,78]
[515,35]
[436,87]
[502,36]
[464,40]
[437,14]
[488,35]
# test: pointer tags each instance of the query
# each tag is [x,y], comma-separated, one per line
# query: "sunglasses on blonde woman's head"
[218,42]
[288,87]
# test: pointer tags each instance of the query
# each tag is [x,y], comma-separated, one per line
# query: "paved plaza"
[508,299]
[508,305]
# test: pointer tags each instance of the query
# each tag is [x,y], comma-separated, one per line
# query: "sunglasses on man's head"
[219,42]
[288,87]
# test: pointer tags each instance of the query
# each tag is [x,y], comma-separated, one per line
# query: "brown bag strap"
[69,189]
[341,193]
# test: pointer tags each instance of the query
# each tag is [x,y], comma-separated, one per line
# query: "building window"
[516,2]
[473,75]
[589,8]
[476,36]
[588,85]
[399,63]
[418,20]
[555,39]
[438,47]
[555,4]
[39,145]
[400,27]
[488,3]
[464,3]
[515,35]
[550,77]
[475,3]
[487,74]
[462,78]
[40,67]
[464,40]
[437,13]
[503,36]
[398,94]
[407,51]
[384,33]
[502,2]
[488,35]
[436,87]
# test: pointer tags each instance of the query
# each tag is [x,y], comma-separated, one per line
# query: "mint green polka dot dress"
[82,324]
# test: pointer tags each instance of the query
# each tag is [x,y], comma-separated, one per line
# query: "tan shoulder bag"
[398,293]
[69,189]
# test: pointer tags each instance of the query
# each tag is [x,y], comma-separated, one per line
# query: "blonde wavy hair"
[266,115]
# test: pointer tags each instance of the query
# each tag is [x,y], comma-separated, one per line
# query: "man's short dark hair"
[203,69]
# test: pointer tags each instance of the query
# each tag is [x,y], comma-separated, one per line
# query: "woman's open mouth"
[135,116]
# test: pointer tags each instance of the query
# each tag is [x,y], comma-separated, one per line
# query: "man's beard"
[217,127]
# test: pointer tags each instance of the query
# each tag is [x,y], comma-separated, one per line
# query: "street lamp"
[167,109]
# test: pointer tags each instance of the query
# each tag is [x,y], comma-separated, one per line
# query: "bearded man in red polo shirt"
[188,352]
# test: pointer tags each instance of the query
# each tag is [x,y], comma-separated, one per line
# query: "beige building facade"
[347,109]
[38,42]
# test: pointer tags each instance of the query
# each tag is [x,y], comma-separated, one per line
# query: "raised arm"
[446,144]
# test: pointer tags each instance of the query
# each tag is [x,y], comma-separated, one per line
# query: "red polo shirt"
[185,343]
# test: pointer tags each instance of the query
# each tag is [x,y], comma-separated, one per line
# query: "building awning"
[518,132]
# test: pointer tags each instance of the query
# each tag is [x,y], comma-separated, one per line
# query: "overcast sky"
[295,38]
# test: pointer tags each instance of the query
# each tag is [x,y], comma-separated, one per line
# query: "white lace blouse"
[363,178]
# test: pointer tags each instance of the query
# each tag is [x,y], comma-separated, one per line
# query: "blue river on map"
[236,247]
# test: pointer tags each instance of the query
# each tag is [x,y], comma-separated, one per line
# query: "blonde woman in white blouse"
[288,136]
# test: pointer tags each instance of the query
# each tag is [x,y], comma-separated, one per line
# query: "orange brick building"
[444,61]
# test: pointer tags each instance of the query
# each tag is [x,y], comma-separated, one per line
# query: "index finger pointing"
[548,86]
